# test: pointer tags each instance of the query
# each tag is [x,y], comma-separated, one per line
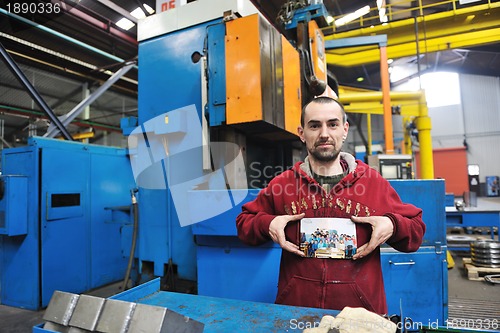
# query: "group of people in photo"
[324,243]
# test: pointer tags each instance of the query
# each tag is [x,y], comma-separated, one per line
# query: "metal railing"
[402,9]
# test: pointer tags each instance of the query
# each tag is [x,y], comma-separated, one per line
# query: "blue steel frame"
[216,63]
[171,79]
[306,14]
[71,245]
[474,218]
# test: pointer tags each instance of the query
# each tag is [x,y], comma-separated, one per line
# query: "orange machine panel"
[243,71]
[292,93]
[317,40]
[450,164]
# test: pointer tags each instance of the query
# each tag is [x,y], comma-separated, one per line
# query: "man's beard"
[324,156]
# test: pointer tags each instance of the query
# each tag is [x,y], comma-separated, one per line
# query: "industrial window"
[65,200]
[441,88]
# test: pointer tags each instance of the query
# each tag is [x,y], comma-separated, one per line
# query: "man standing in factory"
[331,184]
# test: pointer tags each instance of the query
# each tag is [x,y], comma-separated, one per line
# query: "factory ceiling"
[83,45]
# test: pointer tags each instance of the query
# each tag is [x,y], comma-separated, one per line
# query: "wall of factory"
[481,104]
[475,123]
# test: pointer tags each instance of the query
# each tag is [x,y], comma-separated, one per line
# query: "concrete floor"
[465,298]
[471,304]
[460,287]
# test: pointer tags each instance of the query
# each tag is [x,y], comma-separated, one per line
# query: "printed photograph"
[333,238]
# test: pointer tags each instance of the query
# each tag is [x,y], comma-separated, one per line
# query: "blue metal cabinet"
[72,243]
[429,195]
[416,284]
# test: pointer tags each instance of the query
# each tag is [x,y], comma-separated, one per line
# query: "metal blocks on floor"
[71,313]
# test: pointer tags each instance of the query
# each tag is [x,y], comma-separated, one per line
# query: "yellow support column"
[424,127]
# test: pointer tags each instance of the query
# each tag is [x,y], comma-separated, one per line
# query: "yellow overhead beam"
[359,100]
[408,49]
[407,109]
[471,26]
[371,96]
[414,102]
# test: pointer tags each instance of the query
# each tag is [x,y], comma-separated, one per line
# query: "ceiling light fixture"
[125,24]
[352,16]
[138,13]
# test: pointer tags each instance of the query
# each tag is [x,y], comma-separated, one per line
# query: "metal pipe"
[134,238]
[70,116]
[69,71]
[63,36]
[33,92]
[81,123]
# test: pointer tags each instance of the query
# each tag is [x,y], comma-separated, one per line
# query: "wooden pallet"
[477,273]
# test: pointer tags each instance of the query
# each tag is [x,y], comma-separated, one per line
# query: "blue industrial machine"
[212,92]
[64,219]
[221,78]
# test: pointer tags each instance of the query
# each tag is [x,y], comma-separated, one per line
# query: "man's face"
[323,131]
